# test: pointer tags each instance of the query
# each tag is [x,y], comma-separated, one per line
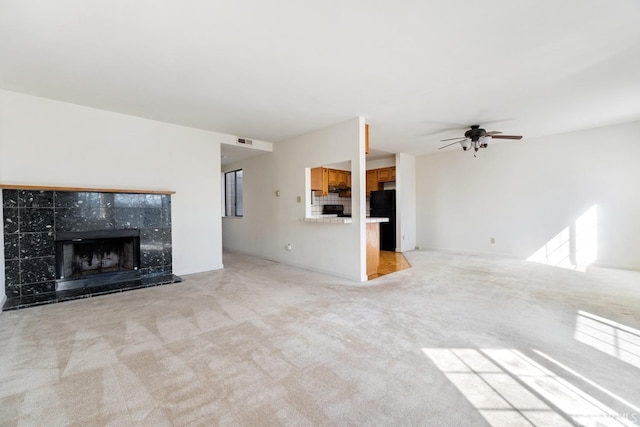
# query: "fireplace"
[92,258]
[64,244]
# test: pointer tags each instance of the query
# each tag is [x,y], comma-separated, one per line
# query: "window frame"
[232,207]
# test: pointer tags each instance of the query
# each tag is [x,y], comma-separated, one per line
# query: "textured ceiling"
[419,71]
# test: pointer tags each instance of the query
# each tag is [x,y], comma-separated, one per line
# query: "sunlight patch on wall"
[508,388]
[575,247]
[612,338]
[556,252]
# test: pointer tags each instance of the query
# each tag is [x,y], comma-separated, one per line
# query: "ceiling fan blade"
[451,139]
[506,136]
[493,132]
[453,143]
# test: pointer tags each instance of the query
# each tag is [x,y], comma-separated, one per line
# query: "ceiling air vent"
[245,141]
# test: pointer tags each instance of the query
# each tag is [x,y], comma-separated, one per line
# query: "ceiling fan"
[477,138]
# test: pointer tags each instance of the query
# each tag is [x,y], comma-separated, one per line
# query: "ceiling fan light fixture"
[477,138]
[485,140]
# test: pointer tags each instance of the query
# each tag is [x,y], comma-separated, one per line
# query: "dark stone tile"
[11,249]
[10,220]
[166,201]
[125,200]
[69,219]
[11,273]
[34,245]
[151,218]
[150,258]
[152,237]
[29,301]
[36,270]
[167,255]
[166,216]
[107,200]
[38,288]
[101,219]
[151,248]
[128,218]
[68,199]
[84,219]
[83,199]
[152,271]
[35,199]
[15,301]
[9,198]
[91,200]
[33,220]
[12,291]
[152,200]
[166,236]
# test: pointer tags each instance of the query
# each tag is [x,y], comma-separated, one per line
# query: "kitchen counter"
[326,219]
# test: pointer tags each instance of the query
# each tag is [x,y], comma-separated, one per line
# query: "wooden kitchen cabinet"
[320,181]
[337,177]
[372,181]
[373,248]
[333,176]
[342,178]
[347,193]
[324,178]
[387,174]
[377,176]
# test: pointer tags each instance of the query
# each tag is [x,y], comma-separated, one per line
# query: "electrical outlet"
[493,240]
[299,199]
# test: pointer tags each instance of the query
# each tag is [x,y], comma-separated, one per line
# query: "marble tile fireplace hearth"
[63,244]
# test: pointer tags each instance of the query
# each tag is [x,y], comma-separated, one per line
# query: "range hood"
[338,188]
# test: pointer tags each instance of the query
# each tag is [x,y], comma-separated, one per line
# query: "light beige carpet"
[455,340]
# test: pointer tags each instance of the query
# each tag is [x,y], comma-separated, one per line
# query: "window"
[233,193]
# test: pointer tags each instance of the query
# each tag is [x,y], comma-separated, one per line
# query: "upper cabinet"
[320,181]
[325,180]
[375,177]
[338,178]
[372,181]
[384,174]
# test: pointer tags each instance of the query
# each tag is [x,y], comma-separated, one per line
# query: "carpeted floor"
[455,340]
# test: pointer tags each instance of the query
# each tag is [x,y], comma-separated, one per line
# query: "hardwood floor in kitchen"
[390,262]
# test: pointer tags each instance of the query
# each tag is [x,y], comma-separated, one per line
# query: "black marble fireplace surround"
[33,221]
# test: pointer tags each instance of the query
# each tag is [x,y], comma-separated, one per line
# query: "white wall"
[46,142]
[270,222]
[406,202]
[381,163]
[523,193]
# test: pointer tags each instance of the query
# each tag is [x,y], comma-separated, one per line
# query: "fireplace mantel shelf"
[98,190]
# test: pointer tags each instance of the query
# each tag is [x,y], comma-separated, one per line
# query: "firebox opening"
[96,257]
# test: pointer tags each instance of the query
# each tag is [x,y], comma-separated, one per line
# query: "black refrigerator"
[383,204]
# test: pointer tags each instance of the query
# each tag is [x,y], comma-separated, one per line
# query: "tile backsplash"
[331,199]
